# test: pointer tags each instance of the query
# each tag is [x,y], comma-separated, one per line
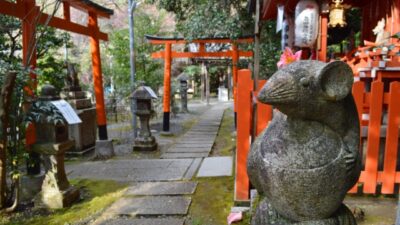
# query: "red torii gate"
[30,15]
[168,55]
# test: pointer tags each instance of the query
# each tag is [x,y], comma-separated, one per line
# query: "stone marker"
[307,159]
[83,133]
[183,81]
[52,142]
[143,96]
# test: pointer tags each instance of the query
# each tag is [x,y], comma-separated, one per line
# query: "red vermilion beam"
[15,10]
[174,54]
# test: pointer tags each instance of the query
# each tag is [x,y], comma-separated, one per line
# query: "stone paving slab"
[131,170]
[216,167]
[196,141]
[144,221]
[151,205]
[189,150]
[162,188]
[193,168]
[184,155]
[204,145]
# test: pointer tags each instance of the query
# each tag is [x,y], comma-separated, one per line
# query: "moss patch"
[224,142]
[97,195]
[212,201]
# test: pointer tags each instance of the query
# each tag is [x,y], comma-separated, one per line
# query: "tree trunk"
[5,102]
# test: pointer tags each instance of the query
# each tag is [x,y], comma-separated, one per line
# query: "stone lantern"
[143,96]
[52,142]
[183,81]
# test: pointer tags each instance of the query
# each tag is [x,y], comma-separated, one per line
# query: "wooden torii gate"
[168,55]
[30,16]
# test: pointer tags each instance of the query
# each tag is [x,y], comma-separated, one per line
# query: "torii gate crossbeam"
[30,15]
[168,55]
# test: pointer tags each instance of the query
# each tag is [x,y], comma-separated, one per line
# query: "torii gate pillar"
[167,88]
[97,77]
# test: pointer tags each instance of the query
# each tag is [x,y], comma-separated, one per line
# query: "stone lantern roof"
[183,77]
[143,92]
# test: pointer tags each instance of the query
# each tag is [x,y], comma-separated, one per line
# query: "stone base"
[104,149]
[73,94]
[145,147]
[30,186]
[83,133]
[80,103]
[60,199]
[266,215]
[77,153]
[166,133]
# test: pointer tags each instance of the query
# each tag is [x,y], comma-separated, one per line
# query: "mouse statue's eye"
[304,81]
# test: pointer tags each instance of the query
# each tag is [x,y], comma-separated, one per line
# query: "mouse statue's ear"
[336,80]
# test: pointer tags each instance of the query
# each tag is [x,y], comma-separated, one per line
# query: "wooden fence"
[379,113]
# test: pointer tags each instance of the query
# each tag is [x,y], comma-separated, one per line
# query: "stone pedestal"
[56,191]
[104,149]
[84,133]
[144,141]
[30,186]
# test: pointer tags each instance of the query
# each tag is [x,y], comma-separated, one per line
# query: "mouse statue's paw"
[350,160]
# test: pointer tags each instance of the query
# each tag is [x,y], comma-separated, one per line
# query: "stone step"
[184,155]
[188,150]
[144,221]
[150,206]
[216,167]
[161,188]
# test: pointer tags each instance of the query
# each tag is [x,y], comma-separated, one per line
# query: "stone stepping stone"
[162,188]
[184,155]
[150,206]
[193,168]
[216,167]
[188,150]
[191,145]
[131,170]
[144,221]
[196,142]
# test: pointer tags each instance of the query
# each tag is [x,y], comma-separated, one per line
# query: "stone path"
[160,189]
[198,141]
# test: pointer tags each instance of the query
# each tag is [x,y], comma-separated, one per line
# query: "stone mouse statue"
[307,159]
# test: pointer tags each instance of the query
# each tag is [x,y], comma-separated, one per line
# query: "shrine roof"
[88,5]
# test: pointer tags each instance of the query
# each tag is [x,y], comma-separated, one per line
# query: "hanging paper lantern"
[306,23]
[287,35]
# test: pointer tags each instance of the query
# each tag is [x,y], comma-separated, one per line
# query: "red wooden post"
[29,51]
[97,76]
[392,140]
[375,115]
[358,95]
[243,134]
[235,60]
[264,111]
[167,87]
[66,9]
[323,37]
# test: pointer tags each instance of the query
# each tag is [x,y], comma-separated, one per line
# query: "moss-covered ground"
[213,199]
[96,196]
